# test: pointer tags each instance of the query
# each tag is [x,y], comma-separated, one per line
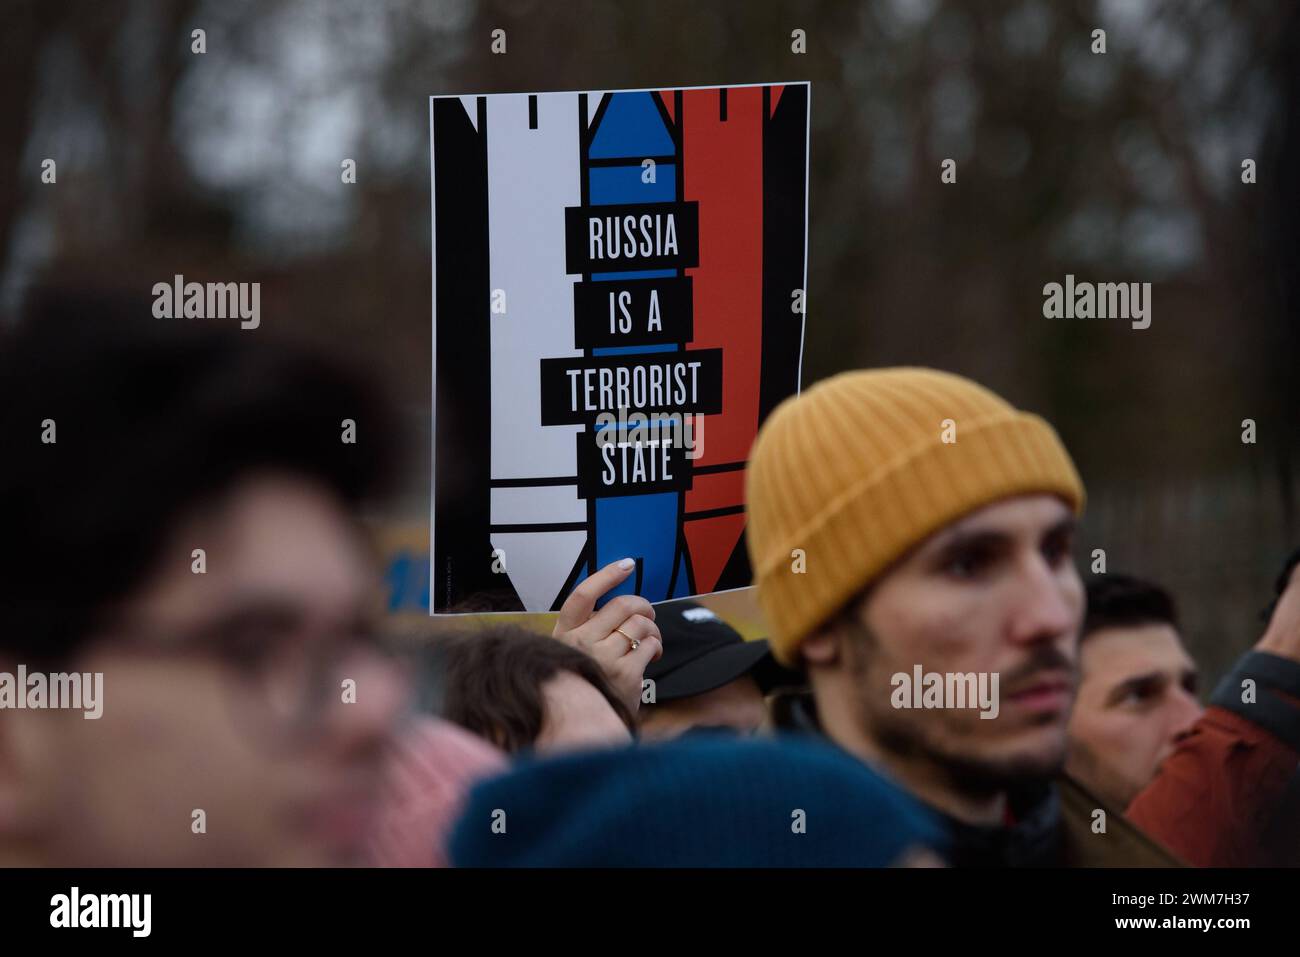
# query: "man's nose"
[371,696]
[1048,604]
[1184,714]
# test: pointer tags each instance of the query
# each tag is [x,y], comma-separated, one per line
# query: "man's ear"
[822,647]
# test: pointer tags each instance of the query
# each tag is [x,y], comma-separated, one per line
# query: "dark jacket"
[1049,824]
[1057,824]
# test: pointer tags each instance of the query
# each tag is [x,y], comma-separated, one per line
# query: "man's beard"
[967,773]
[907,734]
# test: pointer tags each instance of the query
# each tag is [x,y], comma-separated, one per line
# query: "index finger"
[577,608]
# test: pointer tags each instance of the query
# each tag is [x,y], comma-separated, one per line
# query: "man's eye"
[1056,548]
[1141,694]
[249,647]
[250,643]
[966,565]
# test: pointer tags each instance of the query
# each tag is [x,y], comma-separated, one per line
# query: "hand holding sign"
[622,636]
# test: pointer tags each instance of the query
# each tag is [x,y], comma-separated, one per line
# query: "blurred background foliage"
[1117,167]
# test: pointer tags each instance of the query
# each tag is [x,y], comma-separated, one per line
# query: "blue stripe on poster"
[632,126]
[644,527]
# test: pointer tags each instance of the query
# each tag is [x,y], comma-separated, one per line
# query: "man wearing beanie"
[911,534]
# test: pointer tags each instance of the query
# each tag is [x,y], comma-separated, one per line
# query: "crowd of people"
[181,517]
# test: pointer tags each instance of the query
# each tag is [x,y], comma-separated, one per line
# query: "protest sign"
[618,300]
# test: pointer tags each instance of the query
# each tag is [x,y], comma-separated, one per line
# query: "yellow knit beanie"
[846,478]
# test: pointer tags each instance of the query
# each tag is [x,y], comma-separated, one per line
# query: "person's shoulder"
[1097,835]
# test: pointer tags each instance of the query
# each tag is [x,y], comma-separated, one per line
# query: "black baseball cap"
[702,652]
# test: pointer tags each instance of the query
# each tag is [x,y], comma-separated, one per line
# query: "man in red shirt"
[1229,795]
[1137,689]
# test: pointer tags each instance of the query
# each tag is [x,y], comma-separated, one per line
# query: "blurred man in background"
[709,678]
[1137,689]
[1229,794]
[177,516]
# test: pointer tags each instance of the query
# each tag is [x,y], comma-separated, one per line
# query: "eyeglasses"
[283,676]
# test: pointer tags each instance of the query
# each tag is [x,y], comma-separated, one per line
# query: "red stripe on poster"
[722,167]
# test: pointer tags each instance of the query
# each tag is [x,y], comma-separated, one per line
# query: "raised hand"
[622,636]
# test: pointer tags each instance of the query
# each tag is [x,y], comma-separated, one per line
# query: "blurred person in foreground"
[130,444]
[697,801]
[1137,689]
[710,679]
[909,523]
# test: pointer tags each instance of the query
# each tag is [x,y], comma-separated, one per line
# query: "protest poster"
[618,302]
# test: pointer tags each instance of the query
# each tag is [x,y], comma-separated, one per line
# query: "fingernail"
[627,563]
